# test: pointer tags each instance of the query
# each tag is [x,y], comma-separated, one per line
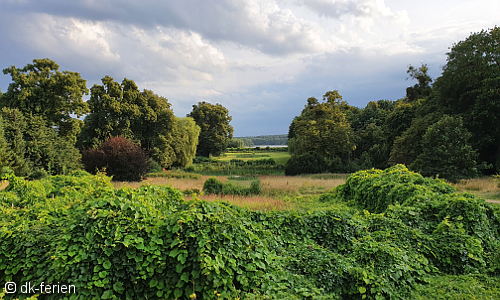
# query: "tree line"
[447,127]
[41,131]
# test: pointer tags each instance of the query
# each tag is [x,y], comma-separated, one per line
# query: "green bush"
[214,186]
[307,163]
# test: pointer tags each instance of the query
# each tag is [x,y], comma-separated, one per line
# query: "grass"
[278,192]
[484,187]
[279,157]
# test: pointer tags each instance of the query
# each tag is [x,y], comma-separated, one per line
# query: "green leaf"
[178,293]
[107,294]
[107,265]
[118,287]
[362,289]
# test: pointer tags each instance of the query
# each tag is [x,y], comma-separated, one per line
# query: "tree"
[307,163]
[5,159]
[322,128]
[215,129]
[236,143]
[41,89]
[470,87]
[14,126]
[123,110]
[422,89]
[446,152]
[186,140]
[46,150]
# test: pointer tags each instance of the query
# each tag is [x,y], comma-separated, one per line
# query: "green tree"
[422,89]
[14,127]
[322,128]
[123,110]
[5,159]
[48,151]
[186,140]
[41,89]
[236,143]
[470,87]
[446,151]
[215,129]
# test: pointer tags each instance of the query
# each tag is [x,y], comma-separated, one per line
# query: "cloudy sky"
[261,59]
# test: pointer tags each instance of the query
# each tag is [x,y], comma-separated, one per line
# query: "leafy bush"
[154,166]
[375,190]
[307,163]
[214,186]
[122,159]
[137,244]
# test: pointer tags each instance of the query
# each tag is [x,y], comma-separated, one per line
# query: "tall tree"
[123,110]
[186,140]
[446,151]
[41,89]
[5,159]
[470,87]
[215,129]
[322,128]
[14,127]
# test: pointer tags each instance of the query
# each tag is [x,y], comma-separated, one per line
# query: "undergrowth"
[417,239]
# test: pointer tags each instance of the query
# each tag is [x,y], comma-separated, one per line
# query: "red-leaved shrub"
[121,158]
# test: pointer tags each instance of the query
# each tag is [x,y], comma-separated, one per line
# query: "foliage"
[172,174]
[42,90]
[462,287]
[214,186]
[236,143]
[238,167]
[123,110]
[144,243]
[422,89]
[277,139]
[469,87]
[185,142]
[323,128]
[121,159]
[150,243]
[374,190]
[307,163]
[14,125]
[155,167]
[48,151]
[35,146]
[5,154]
[446,151]
[215,131]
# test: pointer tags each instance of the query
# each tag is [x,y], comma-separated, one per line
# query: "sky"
[260,59]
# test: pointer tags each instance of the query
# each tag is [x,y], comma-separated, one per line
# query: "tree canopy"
[41,89]
[216,132]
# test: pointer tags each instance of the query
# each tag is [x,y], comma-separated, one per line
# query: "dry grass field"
[484,187]
[278,192]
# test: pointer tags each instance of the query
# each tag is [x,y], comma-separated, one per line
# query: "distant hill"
[278,139]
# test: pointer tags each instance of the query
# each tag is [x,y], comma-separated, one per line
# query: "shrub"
[214,186]
[155,167]
[122,159]
[308,163]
